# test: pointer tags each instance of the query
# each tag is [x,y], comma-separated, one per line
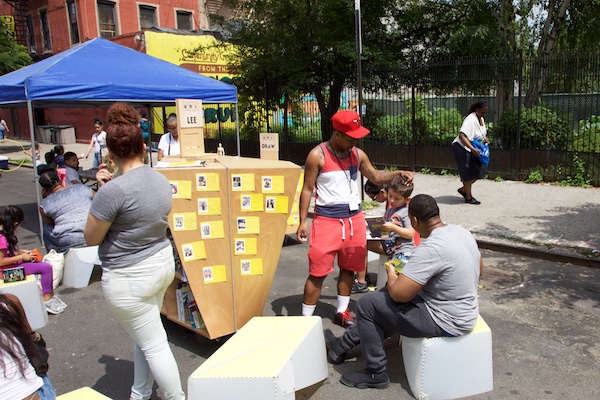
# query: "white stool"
[450,367]
[31,298]
[269,358]
[79,264]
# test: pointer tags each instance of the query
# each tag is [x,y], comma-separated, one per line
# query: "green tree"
[288,47]
[12,55]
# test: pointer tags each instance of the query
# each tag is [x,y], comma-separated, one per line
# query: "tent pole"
[35,174]
[237,130]
[150,132]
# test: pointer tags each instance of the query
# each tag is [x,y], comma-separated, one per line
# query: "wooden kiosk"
[228,221]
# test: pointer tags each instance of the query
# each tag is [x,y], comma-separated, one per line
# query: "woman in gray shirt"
[128,220]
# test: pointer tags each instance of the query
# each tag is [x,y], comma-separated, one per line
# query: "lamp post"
[358,30]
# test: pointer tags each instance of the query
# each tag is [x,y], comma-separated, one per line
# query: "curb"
[530,251]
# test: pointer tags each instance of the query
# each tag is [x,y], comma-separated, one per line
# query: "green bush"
[535,176]
[588,137]
[541,128]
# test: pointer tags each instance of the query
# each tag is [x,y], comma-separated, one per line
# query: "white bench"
[269,358]
[450,367]
[31,298]
[79,265]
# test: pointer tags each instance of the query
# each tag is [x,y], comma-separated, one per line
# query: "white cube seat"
[450,367]
[79,265]
[31,298]
[269,358]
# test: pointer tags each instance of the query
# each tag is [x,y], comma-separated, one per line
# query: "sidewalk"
[542,220]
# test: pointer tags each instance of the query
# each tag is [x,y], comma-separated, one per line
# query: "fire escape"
[20,9]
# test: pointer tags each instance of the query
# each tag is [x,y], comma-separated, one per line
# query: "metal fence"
[555,134]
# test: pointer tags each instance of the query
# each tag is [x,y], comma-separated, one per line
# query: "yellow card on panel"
[252,266]
[251,202]
[293,219]
[193,251]
[181,189]
[212,230]
[273,184]
[207,182]
[300,182]
[248,225]
[185,222]
[209,206]
[245,246]
[243,182]
[276,204]
[214,274]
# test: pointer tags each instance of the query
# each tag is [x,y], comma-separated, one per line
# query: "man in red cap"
[338,228]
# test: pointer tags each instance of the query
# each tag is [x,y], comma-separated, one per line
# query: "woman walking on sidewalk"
[469,165]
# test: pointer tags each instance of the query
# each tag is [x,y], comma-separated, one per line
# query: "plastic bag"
[57,260]
[484,151]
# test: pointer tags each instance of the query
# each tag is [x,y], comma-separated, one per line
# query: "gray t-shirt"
[447,264]
[138,205]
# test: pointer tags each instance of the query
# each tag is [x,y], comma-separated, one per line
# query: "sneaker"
[358,287]
[335,354]
[366,379]
[343,319]
[53,306]
[62,304]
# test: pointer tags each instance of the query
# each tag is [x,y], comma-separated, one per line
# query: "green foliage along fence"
[413,126]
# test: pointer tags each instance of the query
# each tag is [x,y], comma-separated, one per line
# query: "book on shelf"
[374,228]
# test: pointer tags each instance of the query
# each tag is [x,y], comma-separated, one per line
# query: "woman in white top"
[18,378]
[169,142]
[467,156]
[97,143]
[3,129]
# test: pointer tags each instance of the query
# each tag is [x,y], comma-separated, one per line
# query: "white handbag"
[57,260]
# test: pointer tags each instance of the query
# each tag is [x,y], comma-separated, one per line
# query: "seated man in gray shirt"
[435,295]
[72,170]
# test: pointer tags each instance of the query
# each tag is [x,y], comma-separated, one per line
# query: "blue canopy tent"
[100,72]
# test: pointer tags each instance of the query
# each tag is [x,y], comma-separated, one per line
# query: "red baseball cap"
[348,122]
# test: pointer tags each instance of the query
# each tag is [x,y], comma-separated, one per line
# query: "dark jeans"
[378,313]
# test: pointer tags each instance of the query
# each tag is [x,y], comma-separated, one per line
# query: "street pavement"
[544,314]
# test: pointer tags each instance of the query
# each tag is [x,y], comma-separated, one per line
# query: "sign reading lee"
[192,114]
[190,126]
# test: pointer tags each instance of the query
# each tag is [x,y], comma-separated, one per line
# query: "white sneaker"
[60,302]
[53,306]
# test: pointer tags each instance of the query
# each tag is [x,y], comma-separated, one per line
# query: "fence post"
[413,116]
[519,102]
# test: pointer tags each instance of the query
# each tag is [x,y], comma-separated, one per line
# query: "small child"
[400,242]
[11,256]
[59,157]
[362,283]
[72,169]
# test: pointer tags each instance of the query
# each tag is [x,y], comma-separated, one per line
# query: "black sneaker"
[358,287]
[343,319]
[335,354]
[366,379]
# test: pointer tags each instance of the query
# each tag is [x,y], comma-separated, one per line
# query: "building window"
[184,20]
[107,19]
[45,30]
[30,34]
[147,17]
[73,25]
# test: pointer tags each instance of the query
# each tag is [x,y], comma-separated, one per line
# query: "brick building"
[48,27]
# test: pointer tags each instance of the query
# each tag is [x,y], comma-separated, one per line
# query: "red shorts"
[345,237]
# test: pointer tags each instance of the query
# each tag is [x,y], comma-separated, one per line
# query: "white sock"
[343,303]
[307,310]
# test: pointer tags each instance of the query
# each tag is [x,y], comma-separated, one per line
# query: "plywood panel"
[227,306]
